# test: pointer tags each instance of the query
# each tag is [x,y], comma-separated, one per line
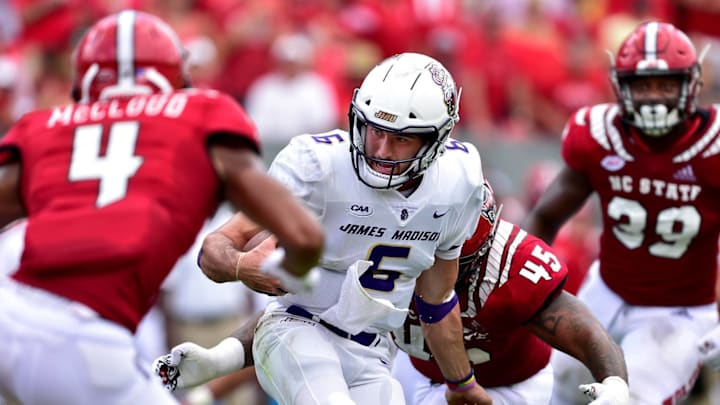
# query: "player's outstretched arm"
[232,253]
[266,202]
[189,365]
[567,325]
[439,314]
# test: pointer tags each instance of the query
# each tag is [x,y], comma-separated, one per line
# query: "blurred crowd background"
[523,65]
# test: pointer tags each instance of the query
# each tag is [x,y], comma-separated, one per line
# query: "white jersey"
[400,235]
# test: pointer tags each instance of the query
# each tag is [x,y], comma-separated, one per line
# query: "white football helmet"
[406,93]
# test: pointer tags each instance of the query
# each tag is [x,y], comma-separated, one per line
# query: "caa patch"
[360,210]
[612,163]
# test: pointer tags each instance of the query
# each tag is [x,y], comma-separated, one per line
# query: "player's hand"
[474,396]
[248,268]
[612,391]
[709,347]
[272,266]
[189,365]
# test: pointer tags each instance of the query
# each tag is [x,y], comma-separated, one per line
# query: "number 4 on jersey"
[113,169]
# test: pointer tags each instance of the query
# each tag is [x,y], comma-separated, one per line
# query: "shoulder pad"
[464,160]
[311,155]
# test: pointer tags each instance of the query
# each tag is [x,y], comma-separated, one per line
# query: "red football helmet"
[128,53]
[479,243]
[656,49]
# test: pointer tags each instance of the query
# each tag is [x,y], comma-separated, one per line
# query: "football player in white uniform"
[513,308]
[397,208]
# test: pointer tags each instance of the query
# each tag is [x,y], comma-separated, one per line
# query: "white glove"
[613,391]
[189,365]
[709,346]
[272,265]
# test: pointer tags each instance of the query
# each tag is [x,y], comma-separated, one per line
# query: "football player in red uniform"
[513,310]
[115,187]
[651,158]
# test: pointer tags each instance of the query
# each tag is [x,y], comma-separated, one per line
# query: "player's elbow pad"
[432,313]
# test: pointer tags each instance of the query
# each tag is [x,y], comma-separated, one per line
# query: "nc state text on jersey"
[398,234]
[656,187]
[168,105]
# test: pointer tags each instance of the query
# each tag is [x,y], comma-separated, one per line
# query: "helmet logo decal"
[125,47]
[386,116]
[443,79]
[651,36]
[651,61]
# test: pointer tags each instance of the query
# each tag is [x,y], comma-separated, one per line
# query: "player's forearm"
[445,339]
[218,257]
[567,325]
[593,347]
[602,356]
[297,230]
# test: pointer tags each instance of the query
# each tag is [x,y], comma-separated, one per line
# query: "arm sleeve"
[224,116]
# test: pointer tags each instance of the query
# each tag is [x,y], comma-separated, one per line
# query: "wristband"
[463,384]
[433,313]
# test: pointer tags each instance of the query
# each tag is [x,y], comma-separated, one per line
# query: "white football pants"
[658,343]
[56,351]
[300,362]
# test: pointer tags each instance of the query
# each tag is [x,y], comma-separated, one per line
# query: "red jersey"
[115,191]
[660,208]
[520,274]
